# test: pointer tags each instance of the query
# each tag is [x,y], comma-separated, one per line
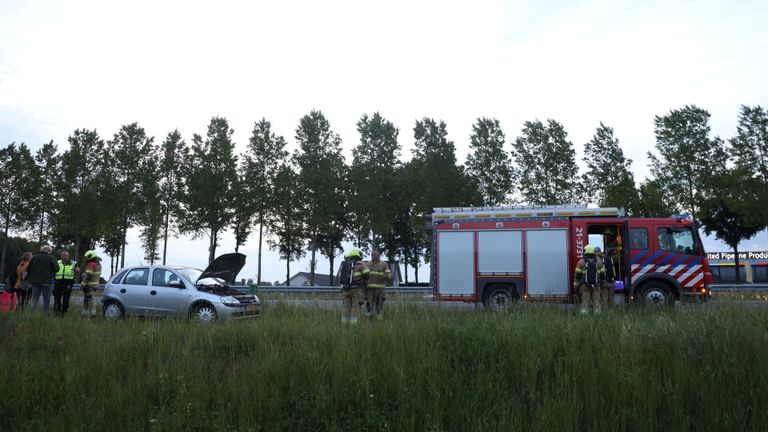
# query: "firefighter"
[609,264]
[353,276]
[374,291]
[588,276]
[90,282]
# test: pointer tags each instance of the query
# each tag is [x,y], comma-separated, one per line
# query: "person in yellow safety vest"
[609,264]
[90,282]
[353,276]
[588,278]
[62,283]
[374,291]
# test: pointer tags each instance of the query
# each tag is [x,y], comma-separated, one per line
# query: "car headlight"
[230,301]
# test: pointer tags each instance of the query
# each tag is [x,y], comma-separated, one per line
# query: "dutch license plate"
[251,308]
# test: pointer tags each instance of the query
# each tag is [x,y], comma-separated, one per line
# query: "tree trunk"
[330,272]
[405,260]
[312,264]
[125,234]
[42,227]
[261,233]
[165,233]
[2,260]
[287,272]
[77,248]
[212,245]
[736,263]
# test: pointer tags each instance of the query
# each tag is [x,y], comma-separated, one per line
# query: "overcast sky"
[175,64]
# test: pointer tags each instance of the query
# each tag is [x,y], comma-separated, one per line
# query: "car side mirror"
[176,284]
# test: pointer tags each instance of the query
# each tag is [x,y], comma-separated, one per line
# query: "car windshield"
[191,274]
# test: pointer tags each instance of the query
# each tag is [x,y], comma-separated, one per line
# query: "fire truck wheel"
[655,294]
[498,298]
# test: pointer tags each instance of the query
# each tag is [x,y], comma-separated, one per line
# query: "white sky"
[175,64]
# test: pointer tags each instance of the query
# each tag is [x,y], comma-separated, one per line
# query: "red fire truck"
[499,255]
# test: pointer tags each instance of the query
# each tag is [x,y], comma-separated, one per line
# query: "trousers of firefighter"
[593,280]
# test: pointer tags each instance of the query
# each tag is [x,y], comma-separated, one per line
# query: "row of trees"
[311,200]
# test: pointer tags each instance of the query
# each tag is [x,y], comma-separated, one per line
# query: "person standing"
[62,283]
[374,291]
[21,286]
[353,276]
[609,263]
[40,271]
[588,277]
[90,282]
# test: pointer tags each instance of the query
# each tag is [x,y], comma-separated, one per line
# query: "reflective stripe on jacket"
[92,275]
[361,273]
[380,274]
[66,271]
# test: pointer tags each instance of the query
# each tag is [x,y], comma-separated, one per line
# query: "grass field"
[422,369]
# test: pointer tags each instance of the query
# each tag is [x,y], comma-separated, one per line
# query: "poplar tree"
[264,157]
[127,149]
[47,161]
[83,196]
[21,182]
[488,164]
[322,175]
[750,153]
[173,154]
[545,161]
[208,190]
[150,213]
[609,181]
[287,222]
[373,184]
[688,157]
[653,201]
[728,211]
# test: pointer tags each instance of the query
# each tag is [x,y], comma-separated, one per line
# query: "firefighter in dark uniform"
[588,277]
[352,289]
[609,263]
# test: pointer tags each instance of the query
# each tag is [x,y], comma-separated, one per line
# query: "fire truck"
[500,255]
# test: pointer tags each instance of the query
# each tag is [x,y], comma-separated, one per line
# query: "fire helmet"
[355,252]
[91,254]
[589,250]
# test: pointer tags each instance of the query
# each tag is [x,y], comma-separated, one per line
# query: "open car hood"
[225,266]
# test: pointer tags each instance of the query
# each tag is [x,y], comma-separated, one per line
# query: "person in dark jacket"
[40,271]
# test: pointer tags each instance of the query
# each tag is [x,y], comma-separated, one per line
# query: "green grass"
[422,369]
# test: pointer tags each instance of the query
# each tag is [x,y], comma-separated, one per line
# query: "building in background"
[753,267]
[302,278]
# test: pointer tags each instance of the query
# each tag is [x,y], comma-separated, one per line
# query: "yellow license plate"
[252,308]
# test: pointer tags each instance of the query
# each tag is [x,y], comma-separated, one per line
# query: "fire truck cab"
[500,255]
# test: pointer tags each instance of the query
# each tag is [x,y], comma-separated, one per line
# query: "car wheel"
[204,313]
[113,311]
[655,294]
[499,298]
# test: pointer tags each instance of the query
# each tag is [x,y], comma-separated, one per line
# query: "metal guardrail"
[327,289]
[738,287]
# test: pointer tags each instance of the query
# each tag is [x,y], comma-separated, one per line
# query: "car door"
[134,289]
[165,299]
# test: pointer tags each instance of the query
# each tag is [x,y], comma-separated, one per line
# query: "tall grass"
[533,368]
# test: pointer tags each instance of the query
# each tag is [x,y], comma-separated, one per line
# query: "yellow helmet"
[91,254]
[589,250]
[355,252]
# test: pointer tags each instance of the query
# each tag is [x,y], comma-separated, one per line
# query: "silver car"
[154,290]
